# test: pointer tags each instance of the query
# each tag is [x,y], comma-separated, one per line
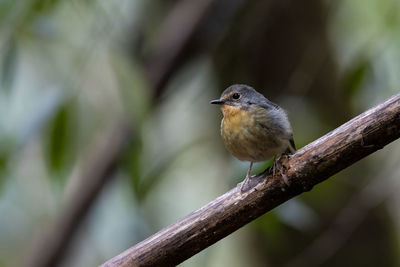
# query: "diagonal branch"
[312,164]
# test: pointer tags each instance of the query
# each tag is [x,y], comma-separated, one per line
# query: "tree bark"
[310,165]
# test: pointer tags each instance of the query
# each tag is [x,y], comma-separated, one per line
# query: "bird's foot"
[278,166]
[244,183]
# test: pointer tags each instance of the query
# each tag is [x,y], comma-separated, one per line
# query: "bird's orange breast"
[245,138]
[234,117]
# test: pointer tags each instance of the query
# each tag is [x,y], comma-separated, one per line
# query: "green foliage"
[3,166]
[355,78]
[60,140]
[131,162]
[43,5]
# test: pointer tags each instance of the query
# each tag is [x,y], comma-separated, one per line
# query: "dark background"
[70,69]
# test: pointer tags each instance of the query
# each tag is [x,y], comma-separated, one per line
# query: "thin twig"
[309,166]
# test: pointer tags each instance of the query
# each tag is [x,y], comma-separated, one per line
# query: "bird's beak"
[217,101]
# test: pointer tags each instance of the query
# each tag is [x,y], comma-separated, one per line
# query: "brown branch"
[309,166]
[49,250]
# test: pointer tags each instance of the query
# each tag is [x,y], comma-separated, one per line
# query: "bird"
[253,128]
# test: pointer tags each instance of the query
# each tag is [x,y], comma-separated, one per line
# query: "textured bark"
[310,165]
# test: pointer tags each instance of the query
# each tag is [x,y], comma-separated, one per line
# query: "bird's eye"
[236,96]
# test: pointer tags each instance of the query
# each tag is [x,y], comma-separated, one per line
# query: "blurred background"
[107,135]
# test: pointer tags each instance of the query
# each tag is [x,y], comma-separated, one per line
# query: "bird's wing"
[267,104]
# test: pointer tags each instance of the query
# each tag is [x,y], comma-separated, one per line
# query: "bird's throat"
[229,111]
[234,117]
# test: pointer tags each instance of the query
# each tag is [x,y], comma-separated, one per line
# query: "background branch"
[312,164]
[55,239]
[162,61]
[178,30]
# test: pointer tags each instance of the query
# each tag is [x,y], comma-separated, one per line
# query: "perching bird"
[253,128]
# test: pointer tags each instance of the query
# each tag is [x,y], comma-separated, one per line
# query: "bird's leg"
[247,177]
[275,165]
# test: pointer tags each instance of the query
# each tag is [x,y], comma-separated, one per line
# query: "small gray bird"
[253,128]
